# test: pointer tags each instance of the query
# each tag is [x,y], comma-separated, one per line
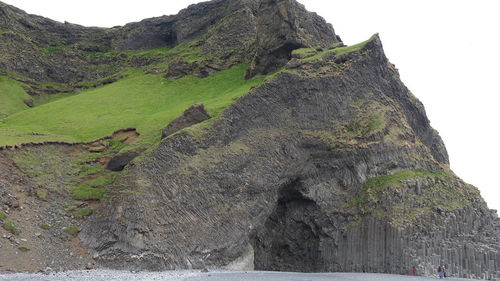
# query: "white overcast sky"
[447,51]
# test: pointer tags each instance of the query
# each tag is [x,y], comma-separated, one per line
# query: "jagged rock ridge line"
[331,165]
[278,183]
[262,33]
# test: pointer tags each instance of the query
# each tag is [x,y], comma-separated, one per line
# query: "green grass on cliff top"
[339,51]
[143,101]
[12,96]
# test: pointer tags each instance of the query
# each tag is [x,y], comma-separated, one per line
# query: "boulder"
[191,116]
[29,102]
[122,159]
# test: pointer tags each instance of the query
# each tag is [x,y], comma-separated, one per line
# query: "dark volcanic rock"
[119,161]
[285,180]
[178,69]
[282,27]
[29,102]
[224,33]
[191,116]
[330,165]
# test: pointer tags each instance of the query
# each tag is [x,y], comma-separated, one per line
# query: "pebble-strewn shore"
[110,275]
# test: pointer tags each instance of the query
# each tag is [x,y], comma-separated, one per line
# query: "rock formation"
[330,165]
[226,32]
[193,115]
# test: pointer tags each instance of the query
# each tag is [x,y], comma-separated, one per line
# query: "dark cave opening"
[289,240]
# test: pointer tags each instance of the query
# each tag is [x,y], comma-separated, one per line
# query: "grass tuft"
[11,227]
[83,213]
[85,192]
[45,226]
[42,194]
[88,170]
[3,216]
[71,230]
[23,249]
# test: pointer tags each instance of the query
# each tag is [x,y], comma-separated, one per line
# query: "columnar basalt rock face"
[328,167]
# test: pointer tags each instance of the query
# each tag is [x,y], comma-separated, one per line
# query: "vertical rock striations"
[330,166]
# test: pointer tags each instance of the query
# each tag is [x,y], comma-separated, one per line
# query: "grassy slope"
[339,51]
[12,96]
[143,101]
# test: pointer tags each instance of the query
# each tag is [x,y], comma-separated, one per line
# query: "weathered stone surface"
[118,162]
[178,69]
[331,165]
[191,116]
[227,32]
[283,26]
[283,173]
[29,102]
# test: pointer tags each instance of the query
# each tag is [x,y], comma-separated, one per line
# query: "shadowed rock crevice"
[290,238]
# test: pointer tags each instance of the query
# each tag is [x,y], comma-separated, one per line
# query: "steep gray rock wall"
[227,33]
[464,241]
[324,168]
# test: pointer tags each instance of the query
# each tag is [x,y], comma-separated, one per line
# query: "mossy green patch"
[54,49]
[101,181]
[84,212]
[143,101]
[52,167]
[42,194]
[11,227]
[304,53]
[405,197]
[114,145]
[367,125]
[45,226]
[23,249]
[71,230]
[73,205]
[3,216]
[88,170]
[85,192]
[4,31]
[373,185]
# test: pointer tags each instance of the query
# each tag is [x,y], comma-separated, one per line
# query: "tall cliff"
[329,164]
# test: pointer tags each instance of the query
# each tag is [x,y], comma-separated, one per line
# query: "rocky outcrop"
[224,33]
[29,102]
[118,162]
[282,27]
[331,166]
[193,115]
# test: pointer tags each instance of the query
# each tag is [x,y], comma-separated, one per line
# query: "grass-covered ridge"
[143,101]
[407,196]
[314,54]
[12,96]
